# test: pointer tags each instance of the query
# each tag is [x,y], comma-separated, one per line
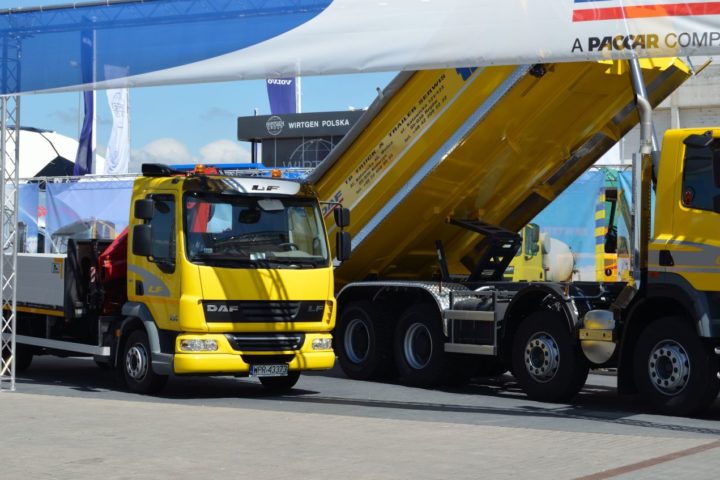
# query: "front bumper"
[226,360]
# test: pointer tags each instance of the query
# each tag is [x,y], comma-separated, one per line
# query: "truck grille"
[265,342]
[263,311]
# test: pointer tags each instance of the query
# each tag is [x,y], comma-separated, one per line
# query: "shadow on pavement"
[599,403]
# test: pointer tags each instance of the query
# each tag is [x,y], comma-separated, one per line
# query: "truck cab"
[215,275]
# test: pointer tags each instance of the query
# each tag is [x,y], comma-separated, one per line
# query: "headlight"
[198,345]
[322,343]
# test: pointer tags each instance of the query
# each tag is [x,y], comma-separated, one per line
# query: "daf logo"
[265,188]
[274,125]
[222,308]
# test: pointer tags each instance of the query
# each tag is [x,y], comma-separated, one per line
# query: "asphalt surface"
[68,419]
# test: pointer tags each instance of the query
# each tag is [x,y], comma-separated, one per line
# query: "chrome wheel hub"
[357,341]
[417,346]
[136,362]
[542,357]
[669,367]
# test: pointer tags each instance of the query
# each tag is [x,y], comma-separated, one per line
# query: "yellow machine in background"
[540,258]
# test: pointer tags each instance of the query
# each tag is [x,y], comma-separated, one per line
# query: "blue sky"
[188,123]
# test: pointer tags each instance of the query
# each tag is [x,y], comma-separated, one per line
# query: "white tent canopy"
[47,153]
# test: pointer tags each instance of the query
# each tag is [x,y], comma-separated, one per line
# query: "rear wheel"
[420,347]
[362,342]
[546,362]
[138,374]
[23,357]
[674,370]
[280,384]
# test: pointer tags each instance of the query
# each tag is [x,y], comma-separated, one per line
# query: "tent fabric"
[185,41]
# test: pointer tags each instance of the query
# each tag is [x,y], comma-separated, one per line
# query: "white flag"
[118,149]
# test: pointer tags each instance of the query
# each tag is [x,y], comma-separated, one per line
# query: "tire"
[547,364]
[420,347]
[362,342]
[23,357]
[674,370]
[280,384]
[136,366]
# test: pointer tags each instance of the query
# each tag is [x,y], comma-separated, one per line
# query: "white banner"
[118,149]
[276,38]
[360,36]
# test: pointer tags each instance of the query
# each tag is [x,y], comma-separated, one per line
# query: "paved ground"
[68,421]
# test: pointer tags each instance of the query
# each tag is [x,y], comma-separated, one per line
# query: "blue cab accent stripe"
[139,37]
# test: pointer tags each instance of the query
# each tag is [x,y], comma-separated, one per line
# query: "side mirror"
[142,240]
[699,141]
[342,217]
[343,244]
[144,209]
[534,249]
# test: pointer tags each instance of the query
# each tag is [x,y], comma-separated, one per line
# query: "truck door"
[154,280]
[694,250]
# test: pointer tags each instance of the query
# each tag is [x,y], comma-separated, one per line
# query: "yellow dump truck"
[443,170]
[216,275]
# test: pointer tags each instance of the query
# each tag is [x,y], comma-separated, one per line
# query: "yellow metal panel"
[535,133]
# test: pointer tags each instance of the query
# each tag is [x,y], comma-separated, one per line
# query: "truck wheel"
[420,347]
[546,362]
[23,357]
[138,374]
[280,384]
[673,369]
[361,343]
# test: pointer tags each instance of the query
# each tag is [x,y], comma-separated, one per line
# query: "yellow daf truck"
[444,169]
[216,275]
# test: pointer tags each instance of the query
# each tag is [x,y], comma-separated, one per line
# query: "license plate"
[269,370]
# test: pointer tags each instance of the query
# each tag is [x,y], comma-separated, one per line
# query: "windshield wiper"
[206,258]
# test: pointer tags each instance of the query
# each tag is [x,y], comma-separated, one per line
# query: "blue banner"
[84,156]
[282,93]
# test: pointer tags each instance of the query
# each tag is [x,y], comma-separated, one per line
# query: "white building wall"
[695,104]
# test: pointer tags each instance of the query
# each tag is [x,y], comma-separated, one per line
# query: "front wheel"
[280,384]
[137,371]
[546,362]
[361,341]
[673,369]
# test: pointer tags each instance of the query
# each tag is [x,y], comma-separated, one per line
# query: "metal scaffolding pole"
[9,157]
[9,184]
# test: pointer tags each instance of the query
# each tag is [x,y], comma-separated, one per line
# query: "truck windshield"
[255,232]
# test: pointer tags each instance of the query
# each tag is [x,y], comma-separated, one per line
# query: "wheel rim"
[669,367]
[418,346]
[357,341]
[542,357]
[136,362]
